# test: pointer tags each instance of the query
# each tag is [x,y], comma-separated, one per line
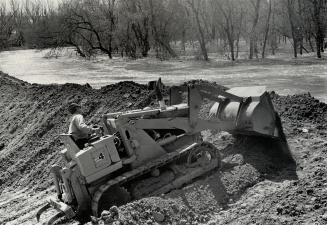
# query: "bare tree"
[90,26]
[273,36]
[294,29]
[266,28]
[319,17]
[196,10]
[160,20]
[138,24]
[135,27]
[253,32]
[239,32]
[231,16]
[19,20]
[6,26]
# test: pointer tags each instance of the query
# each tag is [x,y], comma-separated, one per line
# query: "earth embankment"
[32,116]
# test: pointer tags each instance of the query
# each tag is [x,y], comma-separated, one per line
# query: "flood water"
[32,66]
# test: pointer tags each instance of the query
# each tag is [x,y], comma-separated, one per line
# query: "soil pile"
[300,109]
[285,199]
[261,180]
[32,117]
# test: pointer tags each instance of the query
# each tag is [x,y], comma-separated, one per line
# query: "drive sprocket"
[115,195]
[203,155]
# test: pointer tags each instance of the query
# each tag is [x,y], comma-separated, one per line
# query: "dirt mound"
[32,116]
[205,83]
[152,210]
[301,113]
[301,108]
[285,199]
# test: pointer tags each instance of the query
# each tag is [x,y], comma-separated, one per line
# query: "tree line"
[167,28]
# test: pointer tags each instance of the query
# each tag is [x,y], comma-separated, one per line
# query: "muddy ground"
[261,181]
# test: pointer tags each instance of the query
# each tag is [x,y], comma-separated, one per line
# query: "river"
[32,66]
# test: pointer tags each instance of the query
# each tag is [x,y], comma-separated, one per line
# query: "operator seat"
[71,147]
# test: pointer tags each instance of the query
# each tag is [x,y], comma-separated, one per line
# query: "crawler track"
[162,161]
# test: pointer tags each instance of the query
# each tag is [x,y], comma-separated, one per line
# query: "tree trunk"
[200,29]
[318,47]
[322,43]
[295,48]
[256,50]
[301,46]
[230,43]
[300,9]
[310,43]
[273,40]
[237,46]
[266,31]
[239,33]
[183,40]
[110,47]
[142,36]
[163,43]
[231,47]
[77,48]
[317,7]
[253,35]
[290,16]
[251,49]
[146,43]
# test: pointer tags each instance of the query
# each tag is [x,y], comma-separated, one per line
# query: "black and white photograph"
[163,112]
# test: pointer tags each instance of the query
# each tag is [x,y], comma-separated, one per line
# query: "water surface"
[32,66]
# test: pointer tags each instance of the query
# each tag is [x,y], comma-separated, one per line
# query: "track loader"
[155,150]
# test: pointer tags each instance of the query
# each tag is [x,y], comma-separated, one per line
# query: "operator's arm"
[82,127]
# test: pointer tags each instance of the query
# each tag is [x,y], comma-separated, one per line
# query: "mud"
[261,181]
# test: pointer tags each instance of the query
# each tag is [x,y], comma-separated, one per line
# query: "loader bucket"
[255,115]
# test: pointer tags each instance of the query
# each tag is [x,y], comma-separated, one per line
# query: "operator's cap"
[73,107]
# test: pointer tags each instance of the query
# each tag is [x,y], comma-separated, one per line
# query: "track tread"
[137,172]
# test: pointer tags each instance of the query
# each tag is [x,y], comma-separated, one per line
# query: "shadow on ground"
[246,161]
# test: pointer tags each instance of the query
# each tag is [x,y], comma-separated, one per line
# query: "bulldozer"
[152,151]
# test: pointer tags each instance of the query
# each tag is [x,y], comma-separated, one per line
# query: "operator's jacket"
[78,129]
